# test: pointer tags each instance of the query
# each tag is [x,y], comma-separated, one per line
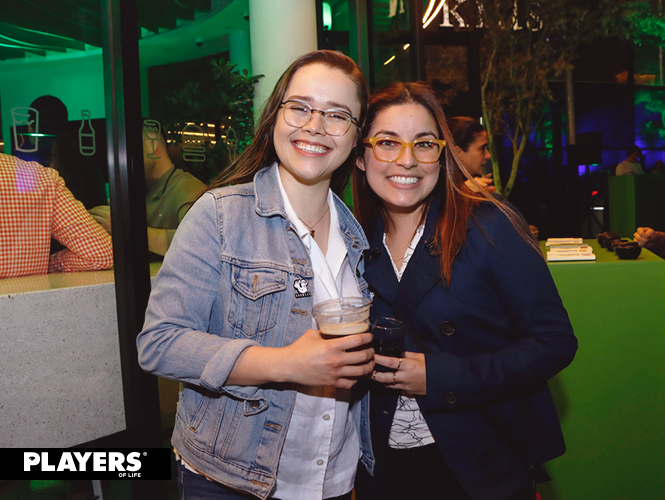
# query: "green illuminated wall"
[77,81]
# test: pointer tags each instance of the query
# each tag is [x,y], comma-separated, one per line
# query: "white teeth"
[399,179]
[310,148]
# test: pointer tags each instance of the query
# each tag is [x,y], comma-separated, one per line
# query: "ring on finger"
[394,381]
[399,364]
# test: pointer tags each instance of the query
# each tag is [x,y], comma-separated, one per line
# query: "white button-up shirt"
[322,447]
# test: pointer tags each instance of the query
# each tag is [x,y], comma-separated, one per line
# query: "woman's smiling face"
[403,184]
[308,154]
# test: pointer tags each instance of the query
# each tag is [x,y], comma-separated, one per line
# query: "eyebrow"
[395,134]
[308,100]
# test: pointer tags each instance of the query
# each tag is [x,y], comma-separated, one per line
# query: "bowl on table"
[602,237]
[628,250]
[609,242]
[612,244]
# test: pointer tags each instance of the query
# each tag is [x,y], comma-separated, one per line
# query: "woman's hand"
[411,374]
[485,182]
[311,360]
[339,362]
[644,235]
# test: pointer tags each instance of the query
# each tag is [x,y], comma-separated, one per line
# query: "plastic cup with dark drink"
[344,316]
[388,339]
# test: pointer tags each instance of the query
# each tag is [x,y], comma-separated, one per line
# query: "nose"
[315,123]
[407,159]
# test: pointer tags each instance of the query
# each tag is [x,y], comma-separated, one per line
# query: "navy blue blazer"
[491,340]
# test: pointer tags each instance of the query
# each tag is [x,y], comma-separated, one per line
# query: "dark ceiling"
[35,27]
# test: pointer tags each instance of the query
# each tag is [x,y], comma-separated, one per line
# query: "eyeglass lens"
[424,150]
[334,122]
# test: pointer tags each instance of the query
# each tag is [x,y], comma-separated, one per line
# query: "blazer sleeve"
[540,342]
[176,341]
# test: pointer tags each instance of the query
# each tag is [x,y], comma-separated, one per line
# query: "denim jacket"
[227,283]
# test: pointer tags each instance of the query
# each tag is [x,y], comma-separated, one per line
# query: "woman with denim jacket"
[465,413]
[267,408]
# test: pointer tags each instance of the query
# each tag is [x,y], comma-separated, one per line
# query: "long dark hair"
[261,152]
[457,201]
[465,130]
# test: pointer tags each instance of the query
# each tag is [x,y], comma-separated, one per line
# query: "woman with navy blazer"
[466,413]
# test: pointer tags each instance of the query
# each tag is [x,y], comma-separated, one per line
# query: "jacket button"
[254,404]
[372,255]
[434,249]
[448,328]
[451,398]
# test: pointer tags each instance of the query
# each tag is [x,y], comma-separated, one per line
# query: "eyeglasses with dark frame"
[335,121]
[389,150]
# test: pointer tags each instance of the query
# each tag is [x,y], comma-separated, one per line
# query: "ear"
[458,151]
[360,163]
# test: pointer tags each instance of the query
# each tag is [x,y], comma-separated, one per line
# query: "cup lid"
[343,305]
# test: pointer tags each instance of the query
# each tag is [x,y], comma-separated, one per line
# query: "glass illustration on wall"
[151,131]
[22,124]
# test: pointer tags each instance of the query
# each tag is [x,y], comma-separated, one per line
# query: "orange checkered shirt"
[35,205]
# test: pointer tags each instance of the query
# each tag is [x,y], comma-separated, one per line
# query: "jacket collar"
[269,203]
[267,194]
[422,273]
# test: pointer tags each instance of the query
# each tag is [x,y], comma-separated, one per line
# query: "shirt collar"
[336,247]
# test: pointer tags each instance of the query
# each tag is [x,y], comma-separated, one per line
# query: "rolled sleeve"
[178,341]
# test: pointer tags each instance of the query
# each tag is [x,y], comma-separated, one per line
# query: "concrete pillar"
[239,51]
[280,32]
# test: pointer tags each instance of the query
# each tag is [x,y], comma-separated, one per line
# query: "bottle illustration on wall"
[23,125]
[87,143]
[192,147]
[152,129]
[232,143]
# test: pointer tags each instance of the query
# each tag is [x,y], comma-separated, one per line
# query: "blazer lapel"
[379,272]
[422,273]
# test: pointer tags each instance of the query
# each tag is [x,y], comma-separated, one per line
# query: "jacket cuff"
[219,368]
[441,395]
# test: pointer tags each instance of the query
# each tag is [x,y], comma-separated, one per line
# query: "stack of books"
[563,249]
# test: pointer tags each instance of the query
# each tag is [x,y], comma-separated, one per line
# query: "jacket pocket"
[255,300]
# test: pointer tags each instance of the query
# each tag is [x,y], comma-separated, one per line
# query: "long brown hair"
[465,130]
[457,201]
[261,152]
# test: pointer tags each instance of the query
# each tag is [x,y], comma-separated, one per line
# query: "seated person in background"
[36,206]
[651,240]
[630,166]
[59,149]
[169,191]
[658,167]
[472,147]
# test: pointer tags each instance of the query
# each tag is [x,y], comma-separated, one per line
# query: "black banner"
[86,463]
